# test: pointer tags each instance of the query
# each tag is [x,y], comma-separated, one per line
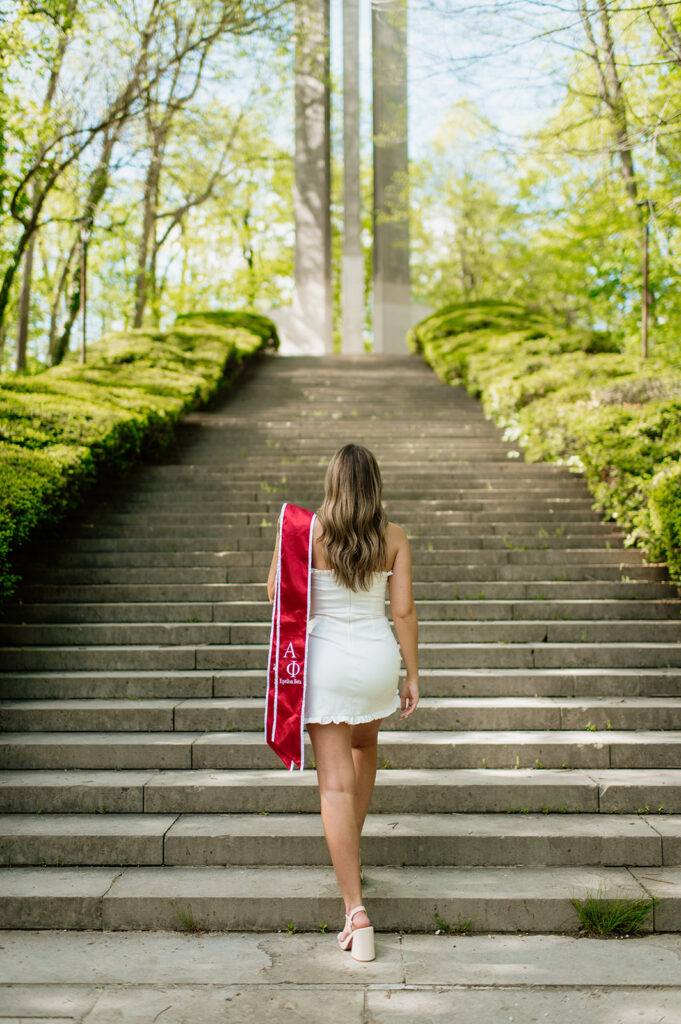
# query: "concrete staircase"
[543,762]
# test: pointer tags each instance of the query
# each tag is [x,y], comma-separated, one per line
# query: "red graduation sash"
[287,668]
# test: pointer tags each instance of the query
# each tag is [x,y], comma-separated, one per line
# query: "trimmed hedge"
[60,430]
[568,395]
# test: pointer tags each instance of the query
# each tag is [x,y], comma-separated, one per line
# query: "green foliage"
[604,916]
[555,216]
[252,323]
[443,928]
[567,395]
[79,130]
[61,429]
[187,919]
[665,511]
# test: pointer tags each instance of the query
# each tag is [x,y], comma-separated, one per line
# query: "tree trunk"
[99,182]
[60,346]
[617,104]
[117,113]
[54,355]
[27,271]
[145,281]
[24,306]
[149,210]
[672,51]
[152,289]
[611,92]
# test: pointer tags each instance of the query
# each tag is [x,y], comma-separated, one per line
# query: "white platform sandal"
[360,940]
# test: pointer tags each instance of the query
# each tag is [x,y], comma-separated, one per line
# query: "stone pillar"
[353,260]
[311,328]
[391,303]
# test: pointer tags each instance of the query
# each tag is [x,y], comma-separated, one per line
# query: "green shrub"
[61,429]
[665,512]
[569,396]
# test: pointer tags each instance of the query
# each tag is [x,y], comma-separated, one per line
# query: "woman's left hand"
[409,696]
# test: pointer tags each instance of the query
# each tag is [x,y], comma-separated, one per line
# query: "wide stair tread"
[489,898]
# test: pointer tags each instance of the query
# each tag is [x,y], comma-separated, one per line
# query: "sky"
[496,55]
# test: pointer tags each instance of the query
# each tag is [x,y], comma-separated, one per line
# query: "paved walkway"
[213,977]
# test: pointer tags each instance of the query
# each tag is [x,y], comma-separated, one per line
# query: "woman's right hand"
[409,696]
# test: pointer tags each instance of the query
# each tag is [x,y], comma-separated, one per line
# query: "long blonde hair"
[352,517]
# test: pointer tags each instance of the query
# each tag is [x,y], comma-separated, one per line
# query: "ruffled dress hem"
[353,719]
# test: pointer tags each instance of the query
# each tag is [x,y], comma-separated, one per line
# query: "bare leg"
[364,739]
[336,774]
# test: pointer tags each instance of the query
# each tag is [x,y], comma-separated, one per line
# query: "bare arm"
[404,616]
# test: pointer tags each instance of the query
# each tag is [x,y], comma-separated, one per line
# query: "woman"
[354,661]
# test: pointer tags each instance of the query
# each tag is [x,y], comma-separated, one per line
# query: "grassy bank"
[567,396]
[65,428]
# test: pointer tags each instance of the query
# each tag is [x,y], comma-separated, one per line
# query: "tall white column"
[312,298]
[353,261]
[391,300]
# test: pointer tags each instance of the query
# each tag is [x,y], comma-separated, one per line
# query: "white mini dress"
[353,660]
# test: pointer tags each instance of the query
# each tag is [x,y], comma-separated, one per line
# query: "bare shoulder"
[396,541]
[395,534]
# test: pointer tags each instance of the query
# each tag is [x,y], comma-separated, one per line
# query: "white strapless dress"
[353,660]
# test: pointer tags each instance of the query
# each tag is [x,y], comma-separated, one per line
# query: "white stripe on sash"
[277,615]
[307,619]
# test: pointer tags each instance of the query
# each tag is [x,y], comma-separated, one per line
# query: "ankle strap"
[352,913]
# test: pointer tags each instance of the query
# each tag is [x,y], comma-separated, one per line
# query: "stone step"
[490,899]
[454,631]
[469,554]
[482,570]
[245,497]
[297,839]
[433,523]
[474,454]
[257,538]
[449,429]
[475,549]
[655,791]
[254,656]
[481,451]
[399,749]
[410,519]
[243,714]
[434,506]
[480,460]
[413,507]
[254,535]
[261,611]
[585,591]
[107,658]
[184,463]
[131,685]
[531,518]
[164,476]
[517,569]
[260,560]
[242,683]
